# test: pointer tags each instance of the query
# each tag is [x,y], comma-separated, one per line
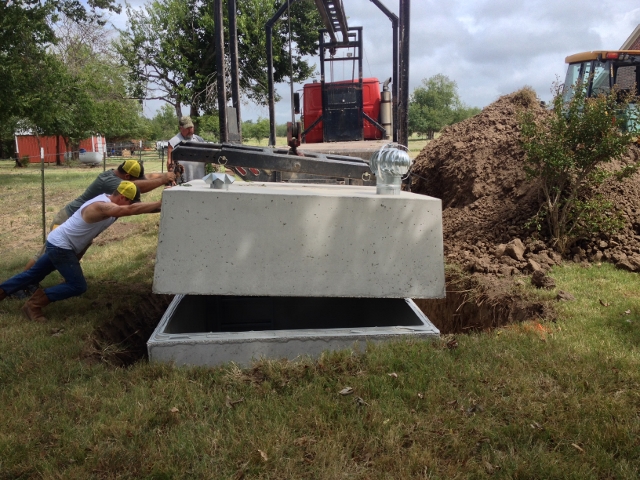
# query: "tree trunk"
[58,161]
[178,107]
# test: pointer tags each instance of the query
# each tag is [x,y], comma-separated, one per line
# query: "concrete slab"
[205,330]
[299,240]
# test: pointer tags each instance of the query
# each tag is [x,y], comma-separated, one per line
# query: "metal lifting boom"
[277,159]
[334,18]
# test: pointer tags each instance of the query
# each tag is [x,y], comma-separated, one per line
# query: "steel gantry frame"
[335,20]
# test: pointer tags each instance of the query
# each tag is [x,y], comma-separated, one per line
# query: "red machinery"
[312,108]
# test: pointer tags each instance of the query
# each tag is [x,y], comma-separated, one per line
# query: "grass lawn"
[527,401]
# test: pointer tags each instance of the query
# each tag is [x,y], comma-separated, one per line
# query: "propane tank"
[386,118]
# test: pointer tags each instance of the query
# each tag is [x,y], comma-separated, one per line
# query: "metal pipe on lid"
[390,164]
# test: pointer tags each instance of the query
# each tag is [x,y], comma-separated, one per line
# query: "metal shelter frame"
[335,20]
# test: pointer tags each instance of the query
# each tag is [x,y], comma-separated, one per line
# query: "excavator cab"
[598,72]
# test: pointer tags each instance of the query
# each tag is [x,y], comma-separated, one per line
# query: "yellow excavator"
[599,71]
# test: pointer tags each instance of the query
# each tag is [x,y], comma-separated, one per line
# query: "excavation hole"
[478,303]
[122,340]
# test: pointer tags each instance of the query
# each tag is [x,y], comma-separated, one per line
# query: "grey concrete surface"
[299,240]
[201,347]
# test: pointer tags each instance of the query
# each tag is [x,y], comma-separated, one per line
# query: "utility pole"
[222,93]
[403,101]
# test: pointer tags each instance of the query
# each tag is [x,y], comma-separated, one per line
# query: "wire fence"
[125,150]
[113,153]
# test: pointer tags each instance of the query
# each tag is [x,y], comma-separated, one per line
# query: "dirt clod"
[540,280]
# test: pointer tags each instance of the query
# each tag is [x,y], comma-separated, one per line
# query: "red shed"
[28,146]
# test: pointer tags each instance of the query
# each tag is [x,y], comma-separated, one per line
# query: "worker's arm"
[169,160]
[99,211]
[154,180]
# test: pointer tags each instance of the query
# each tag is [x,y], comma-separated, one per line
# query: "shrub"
[567,149]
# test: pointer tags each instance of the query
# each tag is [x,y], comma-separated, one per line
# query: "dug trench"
[122,339]
[469,306]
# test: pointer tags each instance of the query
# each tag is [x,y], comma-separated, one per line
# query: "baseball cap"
[185,122]
[133,168]
[129,190]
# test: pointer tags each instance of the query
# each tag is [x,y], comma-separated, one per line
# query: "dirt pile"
[476,168]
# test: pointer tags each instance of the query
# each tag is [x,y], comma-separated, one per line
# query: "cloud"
[489,47]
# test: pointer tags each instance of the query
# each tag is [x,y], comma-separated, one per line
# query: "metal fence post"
[44,222]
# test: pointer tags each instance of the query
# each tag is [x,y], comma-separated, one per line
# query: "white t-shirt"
[76,234]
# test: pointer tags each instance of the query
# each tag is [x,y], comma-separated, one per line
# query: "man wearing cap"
[192,170]
[66,242]
[106,183]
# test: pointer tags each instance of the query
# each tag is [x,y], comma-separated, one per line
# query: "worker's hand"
[170,178]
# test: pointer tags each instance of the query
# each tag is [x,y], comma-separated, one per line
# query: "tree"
[31,75]
[86,90]
[169,51]
[209,127]
[435,105]
[164,124]
[567,149]
[259,130]
[27,30]
[281,130]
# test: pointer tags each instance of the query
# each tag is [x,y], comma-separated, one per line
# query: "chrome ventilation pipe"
[390,164]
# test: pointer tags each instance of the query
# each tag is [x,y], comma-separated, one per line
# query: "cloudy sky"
[489,47]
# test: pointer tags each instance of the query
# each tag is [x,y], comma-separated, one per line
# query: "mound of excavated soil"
[476,168]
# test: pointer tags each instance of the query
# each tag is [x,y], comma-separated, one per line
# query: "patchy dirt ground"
[122,340]
[117,231]
[476,168]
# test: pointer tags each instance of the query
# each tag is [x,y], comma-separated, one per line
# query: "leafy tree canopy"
[169,51]
[435,105]
[258,130]
[35,80]
[164,124]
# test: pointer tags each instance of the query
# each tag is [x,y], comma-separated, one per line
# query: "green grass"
[527,401]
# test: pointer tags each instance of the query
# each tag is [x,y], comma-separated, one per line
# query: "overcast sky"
[489,47]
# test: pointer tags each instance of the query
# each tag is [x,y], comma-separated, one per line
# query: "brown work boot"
[33,308]
[3,295]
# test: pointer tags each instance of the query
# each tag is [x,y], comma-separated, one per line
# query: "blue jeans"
[64,261]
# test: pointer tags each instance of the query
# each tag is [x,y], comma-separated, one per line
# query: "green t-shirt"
[107,182]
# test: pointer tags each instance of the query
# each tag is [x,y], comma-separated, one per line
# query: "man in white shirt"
[192,170]
[67,241]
